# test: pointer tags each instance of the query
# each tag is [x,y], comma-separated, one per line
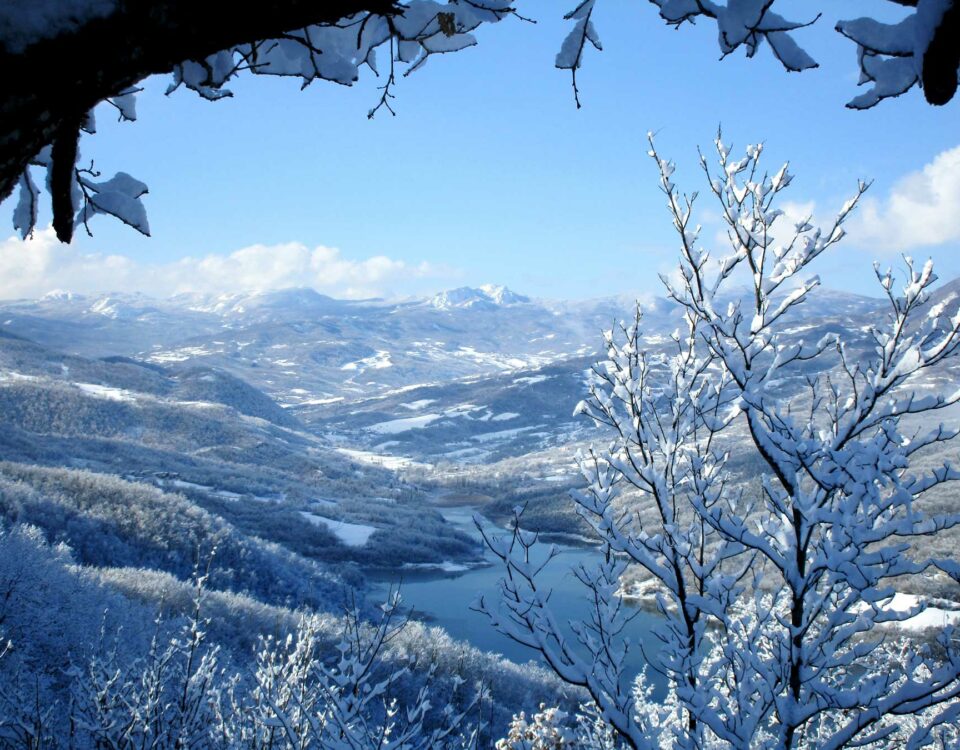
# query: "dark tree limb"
[942,58]
[48,88]
[63,157]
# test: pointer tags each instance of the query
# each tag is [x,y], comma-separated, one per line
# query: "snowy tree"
[304,698]
[299,693]
[775,583]
[112,46]
[550,729]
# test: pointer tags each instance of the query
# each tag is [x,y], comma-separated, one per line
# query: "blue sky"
[489,173]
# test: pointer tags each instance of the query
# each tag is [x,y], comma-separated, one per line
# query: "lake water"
[444,598]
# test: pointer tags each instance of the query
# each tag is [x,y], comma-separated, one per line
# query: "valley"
[325,452]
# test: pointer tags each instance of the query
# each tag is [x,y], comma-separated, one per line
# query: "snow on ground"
[505,416]
[395,426]
[106,392]
[931,617]
[319,401]
[417,405]
[351,534]
[203,404]
[501,434]
[401,389]
[180,355]
[532,379]
[493,359]
[11,375]
[378,459]
[378,361]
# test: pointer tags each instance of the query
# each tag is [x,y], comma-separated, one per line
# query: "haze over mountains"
[470,376]
[331,347]
[300,346]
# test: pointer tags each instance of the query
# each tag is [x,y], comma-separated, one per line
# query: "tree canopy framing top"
[61,58]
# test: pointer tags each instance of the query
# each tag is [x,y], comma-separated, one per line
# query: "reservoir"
[444,598]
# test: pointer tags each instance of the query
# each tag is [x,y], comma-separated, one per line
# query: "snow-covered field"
[351,534]
[380,459]
[395,426]
[107,392]
[932,616]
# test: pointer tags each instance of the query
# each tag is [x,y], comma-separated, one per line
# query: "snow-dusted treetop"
[111,46]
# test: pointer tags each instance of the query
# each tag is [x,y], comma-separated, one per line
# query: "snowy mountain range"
[302,347]
[327,425]
[470,374]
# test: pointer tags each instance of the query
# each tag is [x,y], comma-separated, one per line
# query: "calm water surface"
[444,598]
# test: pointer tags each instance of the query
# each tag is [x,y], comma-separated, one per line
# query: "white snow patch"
[396,426]
[931,617]
[491,358]
[386,461]
[417,405]
[180,355]
[377,361]
[106,392]
[532,379]
[505,416]
[320,401]
[351,534]
[11,375]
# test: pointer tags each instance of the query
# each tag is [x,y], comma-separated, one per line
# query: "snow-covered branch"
[774,587]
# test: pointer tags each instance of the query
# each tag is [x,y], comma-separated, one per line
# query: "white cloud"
[36,266]
[922,209]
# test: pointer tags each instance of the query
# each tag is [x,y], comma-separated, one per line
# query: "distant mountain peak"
[488,295]
[295,300]
[503,296]
[61,295]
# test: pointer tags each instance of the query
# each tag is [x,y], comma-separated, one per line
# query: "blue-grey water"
[444,599]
